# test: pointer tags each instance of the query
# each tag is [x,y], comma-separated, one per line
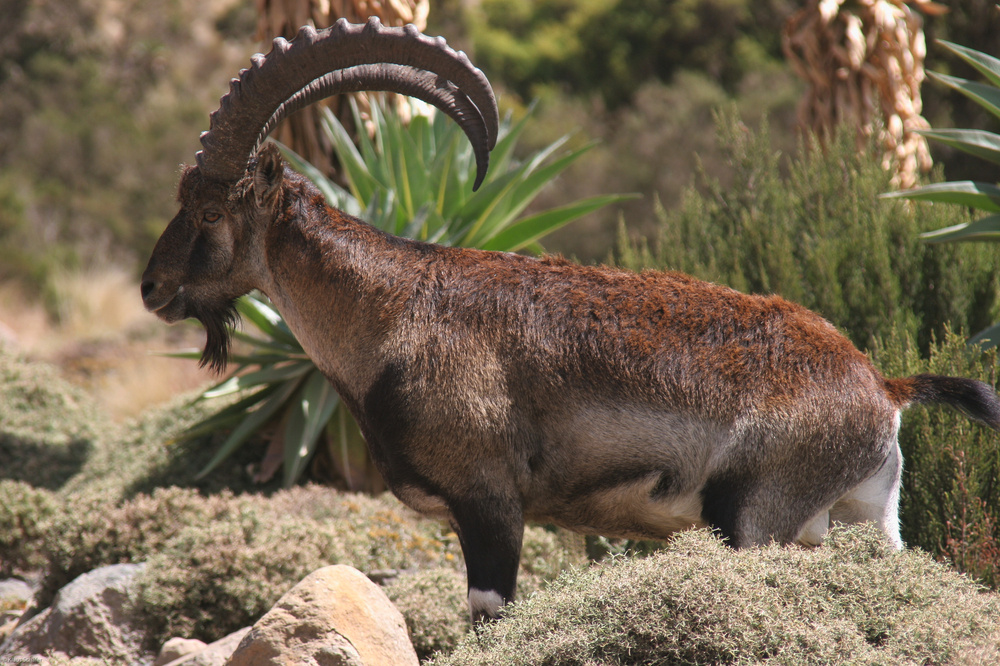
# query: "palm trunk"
[864,64]
[302,132]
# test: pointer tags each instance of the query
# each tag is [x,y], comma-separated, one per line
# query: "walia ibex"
[494,388]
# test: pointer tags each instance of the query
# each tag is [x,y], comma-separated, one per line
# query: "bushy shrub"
[145,454]
[951,479]
[433,603]
[222,573]
[853,601]
[25,512]
[814,230]
[92,531]
[217,563]
[47,427]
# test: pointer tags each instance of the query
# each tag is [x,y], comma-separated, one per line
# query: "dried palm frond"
[283,18]
[863,61]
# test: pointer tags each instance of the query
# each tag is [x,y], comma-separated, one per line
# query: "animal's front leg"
[490,530]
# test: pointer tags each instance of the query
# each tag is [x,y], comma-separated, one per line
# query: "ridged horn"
[346,58]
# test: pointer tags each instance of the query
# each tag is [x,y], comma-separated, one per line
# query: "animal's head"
[211,251]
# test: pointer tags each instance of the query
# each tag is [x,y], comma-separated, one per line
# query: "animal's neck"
[341,286]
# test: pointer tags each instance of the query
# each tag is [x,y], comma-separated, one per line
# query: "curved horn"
[346,58]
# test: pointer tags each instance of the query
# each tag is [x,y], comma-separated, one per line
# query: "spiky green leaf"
[987,65]
[310,411]
[982,196]
[534,227]
[266,319]
[975,142]
[251,424]
[986,96]
[985,229]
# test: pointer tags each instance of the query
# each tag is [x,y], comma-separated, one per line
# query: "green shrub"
[145,454]
[25,512]
[221,573]
[853,601]
[54,436]
[47,427]
[951,477]
[814,230]
[433,603]
[216,563]
[216,577]
[92,531]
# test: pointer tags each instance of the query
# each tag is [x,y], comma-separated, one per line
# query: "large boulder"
[333,617]
[88,618]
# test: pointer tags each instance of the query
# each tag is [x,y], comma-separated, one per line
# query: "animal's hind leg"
[814,531]
[875,499]
[748,510]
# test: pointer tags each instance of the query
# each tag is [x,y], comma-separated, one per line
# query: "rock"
[15,596]
[213,654]
[8,623]
[177,648]
[334,617]
[15,593]
[88,618]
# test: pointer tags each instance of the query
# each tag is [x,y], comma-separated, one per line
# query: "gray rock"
[88,618]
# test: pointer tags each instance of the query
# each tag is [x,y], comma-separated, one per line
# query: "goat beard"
[218,321]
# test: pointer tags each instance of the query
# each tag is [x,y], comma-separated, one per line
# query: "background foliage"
[98,110]
[975,194]
[102,101]
[814,229]
[611,48]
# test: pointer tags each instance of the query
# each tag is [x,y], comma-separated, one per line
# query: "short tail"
[975,399]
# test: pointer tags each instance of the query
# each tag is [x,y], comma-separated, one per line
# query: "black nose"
[147,288]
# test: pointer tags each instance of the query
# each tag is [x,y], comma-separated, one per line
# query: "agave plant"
[973,194]
[411,180]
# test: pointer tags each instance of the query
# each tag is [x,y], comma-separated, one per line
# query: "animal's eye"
[211,217]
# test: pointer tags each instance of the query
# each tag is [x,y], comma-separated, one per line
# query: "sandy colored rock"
[177,648]
[213,654]
[334,617]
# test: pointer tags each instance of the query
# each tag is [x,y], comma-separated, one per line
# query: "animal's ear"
[267,175]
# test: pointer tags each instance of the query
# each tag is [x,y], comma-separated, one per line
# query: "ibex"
[494,388]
